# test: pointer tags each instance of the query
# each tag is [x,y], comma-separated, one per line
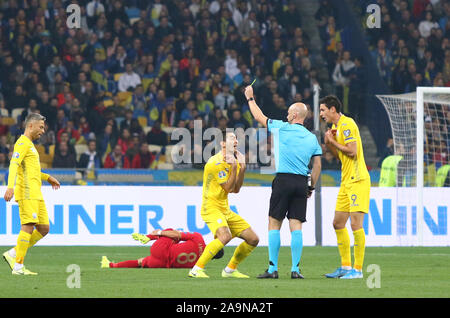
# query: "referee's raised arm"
[254,108]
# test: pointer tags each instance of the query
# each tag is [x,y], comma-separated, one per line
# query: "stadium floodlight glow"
[407,114]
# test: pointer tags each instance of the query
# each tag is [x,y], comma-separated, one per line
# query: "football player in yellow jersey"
[353,199]
[24,182]
[224,174]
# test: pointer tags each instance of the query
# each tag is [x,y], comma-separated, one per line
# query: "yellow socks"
[343,241]
[240,253]
[35,236]
[210,250]
[359,248]
[22,246]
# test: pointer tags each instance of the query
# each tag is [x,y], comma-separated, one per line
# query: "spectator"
[106,140]
[125,140]
[18,100]
[128,80]
[156,136]
[116,159]
[144,158]
[56,67]
[237,121]
[73,133]
[426,25]
[383,60]
[224,99]
[63,158]
[90,159]
[133,148]
[189,112]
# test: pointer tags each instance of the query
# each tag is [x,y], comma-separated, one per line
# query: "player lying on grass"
[167,252]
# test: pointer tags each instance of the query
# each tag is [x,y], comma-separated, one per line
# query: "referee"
[294,148]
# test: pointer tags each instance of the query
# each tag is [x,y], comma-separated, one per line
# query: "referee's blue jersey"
[294,146]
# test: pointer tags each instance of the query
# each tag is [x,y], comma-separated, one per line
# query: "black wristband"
[250,99]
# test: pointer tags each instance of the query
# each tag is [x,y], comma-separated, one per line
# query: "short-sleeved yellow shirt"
[353,169]
[25,165]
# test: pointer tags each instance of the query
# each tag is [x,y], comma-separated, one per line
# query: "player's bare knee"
[224,237]
[43,229]
[356,226]
[338,225]
[253,240]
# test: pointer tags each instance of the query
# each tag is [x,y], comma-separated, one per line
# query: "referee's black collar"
[299,124]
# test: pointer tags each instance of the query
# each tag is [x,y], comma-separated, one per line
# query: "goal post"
[318,185]
[420,124]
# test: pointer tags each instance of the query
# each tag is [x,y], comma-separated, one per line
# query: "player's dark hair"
[331,101]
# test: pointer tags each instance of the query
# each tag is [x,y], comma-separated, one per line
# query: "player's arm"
[52,180]
[240,178]
[20,151]
[349,149]
[254,108]
[172,234]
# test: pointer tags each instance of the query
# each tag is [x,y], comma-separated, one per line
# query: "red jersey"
[186,254]
[167,253]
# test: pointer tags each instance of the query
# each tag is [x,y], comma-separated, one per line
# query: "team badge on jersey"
[222,174]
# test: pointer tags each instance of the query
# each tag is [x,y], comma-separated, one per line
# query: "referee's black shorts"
[289,197]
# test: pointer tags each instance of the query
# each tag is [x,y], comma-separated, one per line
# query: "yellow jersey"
[25,165]
[353,169]
[216,172]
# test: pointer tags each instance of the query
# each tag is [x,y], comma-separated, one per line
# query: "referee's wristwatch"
[250,99]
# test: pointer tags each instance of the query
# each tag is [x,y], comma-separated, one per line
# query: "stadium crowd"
[410,49]
[136,69]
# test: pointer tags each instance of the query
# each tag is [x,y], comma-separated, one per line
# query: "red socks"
[125,264]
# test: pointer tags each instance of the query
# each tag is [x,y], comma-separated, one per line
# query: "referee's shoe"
[266,274]
[297,275]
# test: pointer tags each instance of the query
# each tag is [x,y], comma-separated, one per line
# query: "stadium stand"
[135,65]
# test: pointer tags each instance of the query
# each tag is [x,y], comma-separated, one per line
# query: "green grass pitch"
[404,272]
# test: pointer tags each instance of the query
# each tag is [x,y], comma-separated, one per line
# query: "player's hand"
[248,92]
[329,136]
[240,158]
[55,183]
[9,194]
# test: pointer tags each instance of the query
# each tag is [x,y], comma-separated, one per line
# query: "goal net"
[417,174]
